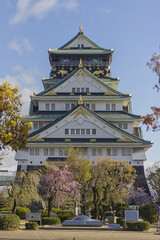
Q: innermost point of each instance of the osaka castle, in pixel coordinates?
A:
(80, 106)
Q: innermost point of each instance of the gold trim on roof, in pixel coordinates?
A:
(80, 101)
(80, 28)
(124, 139)
(52, 92)
(80, 63)
(80, 73)
(36, 139)
(80, 111)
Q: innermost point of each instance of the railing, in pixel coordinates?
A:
(89, 64)
(6, 177)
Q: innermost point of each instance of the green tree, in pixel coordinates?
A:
(13, 129)
(82, 172)
(22, 191)
(108, 183)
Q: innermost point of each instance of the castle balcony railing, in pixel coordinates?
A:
(88, 64)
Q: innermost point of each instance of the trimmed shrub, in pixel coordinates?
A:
(64, 214)
(31, 225)
(9, 222)
(137, 226)
(21, 212)
(150, 213)
(51, 221)
(121, 221)
(143, 225)
(120, 208)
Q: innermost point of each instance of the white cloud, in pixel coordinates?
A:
(25, 79)
(20, 44)
(39, 8)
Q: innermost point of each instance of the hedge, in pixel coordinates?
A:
(9, 222)
(121, 221)
(137, 226)
(21, 212)
(150, 213)
(31, 225)
(51, 221)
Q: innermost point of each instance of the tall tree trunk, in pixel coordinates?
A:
(95, 201)
(14, 206)
(49, 206)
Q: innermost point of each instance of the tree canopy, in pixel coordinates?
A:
(152, 120)
(13, 128)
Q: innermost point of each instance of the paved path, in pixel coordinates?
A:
(79, 235)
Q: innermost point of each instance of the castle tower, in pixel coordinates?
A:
(80, 106)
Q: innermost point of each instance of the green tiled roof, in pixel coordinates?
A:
(94, 114)
(71, 74)
(84, 36)
(80, 51)
(116, 144)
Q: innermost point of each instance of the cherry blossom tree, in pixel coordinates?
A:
(152, 120)
(137, 196)
(56, 185)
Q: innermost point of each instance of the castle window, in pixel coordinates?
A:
(93, 131)
(107, 107)
(67, 106)
(30, 162)
(77, 131)
(82, 131)
(73, 90)
(45, 151)
(36, 151)
(51, 151)
(126, 152)
(93, 152)
(40, 125)
(52, 107)
(78, 90)
(82, 90)
(87, 90)
(47, 106)
(35, 125)
(72, 131)
(40, 162)
(61, 152)
(114, 152)
(88, 131)
(108, 151)
(120, 125)
(93, 107)
(31, 151)
(113, 107)
(66, 131)
(99, 152)
(125, 126)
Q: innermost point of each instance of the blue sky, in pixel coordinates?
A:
(29, 27)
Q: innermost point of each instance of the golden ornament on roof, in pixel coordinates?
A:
(80, 63)
(80, 101)
(80, 29)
